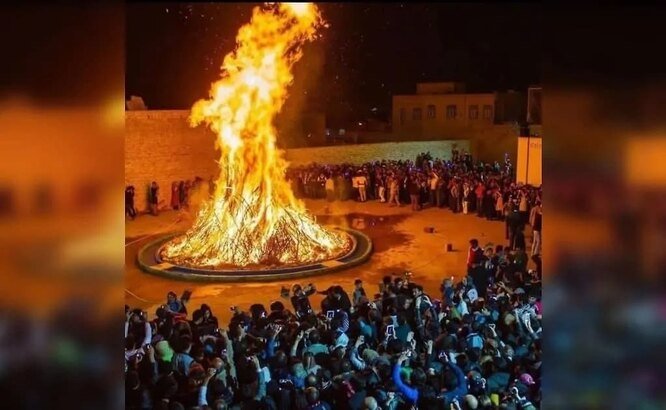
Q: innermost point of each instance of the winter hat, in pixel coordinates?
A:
(471, 402)
(369, 355)
(164, 351)
(527, 379)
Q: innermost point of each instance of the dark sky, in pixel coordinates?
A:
(369, 53)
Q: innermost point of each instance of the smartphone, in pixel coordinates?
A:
(390, 330)
(330, 314)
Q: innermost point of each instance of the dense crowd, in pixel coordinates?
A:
(180, 197)
(459, 184)
(477, 345)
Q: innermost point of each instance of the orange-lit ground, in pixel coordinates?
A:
(397, 233)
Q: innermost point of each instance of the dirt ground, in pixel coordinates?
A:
(400, 244)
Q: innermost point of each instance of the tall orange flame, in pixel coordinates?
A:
(253, 217)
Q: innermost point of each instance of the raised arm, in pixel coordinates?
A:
(294, 346)
(357, 362)
(410, 393)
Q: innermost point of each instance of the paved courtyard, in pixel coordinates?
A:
(399, 240)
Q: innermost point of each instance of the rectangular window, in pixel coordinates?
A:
(487, 112)
(432, 112)
(451, 112)
(403, 116)
(416, 114)
(473, 112)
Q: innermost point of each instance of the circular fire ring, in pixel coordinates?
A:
(149, 261)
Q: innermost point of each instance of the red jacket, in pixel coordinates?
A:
(474, 256)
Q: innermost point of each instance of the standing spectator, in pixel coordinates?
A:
(536, 232)
(474, 256)
(362, 183)
(499, 206)
(522, 207)
(300, 300)
(355, 187)
(359, 292)
(466, 201)
(175, 195)
(394, 191)
(454, 197)
(129, 202)
(413, 189)
(441, 192)
(182, 194)
(330, 188)
(479, 191)
(433, 183)
(339, 186)
(153, 197)
(514, 222)
(381, 188)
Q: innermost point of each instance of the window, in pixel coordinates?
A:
(432, 112)
(473, 112)
(487, 112)
(451, 111)
(416, 114)
(403, 116)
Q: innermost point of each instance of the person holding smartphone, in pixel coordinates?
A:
(300, 300)
(418, 392)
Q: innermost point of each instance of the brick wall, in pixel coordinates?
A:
(160, 146)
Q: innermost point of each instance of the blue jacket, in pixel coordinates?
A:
(461, 388)
(409, 392)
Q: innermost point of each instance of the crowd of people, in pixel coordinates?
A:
(180, 196)
(459, 184)
(476, 345)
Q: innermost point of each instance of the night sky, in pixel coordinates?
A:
(369, 53)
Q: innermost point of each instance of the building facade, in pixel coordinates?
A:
(441, 111)
(447, 111)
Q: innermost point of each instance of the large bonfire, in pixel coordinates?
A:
(253, 217)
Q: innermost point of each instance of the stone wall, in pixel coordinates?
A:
(161, 146)
(361, 153)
